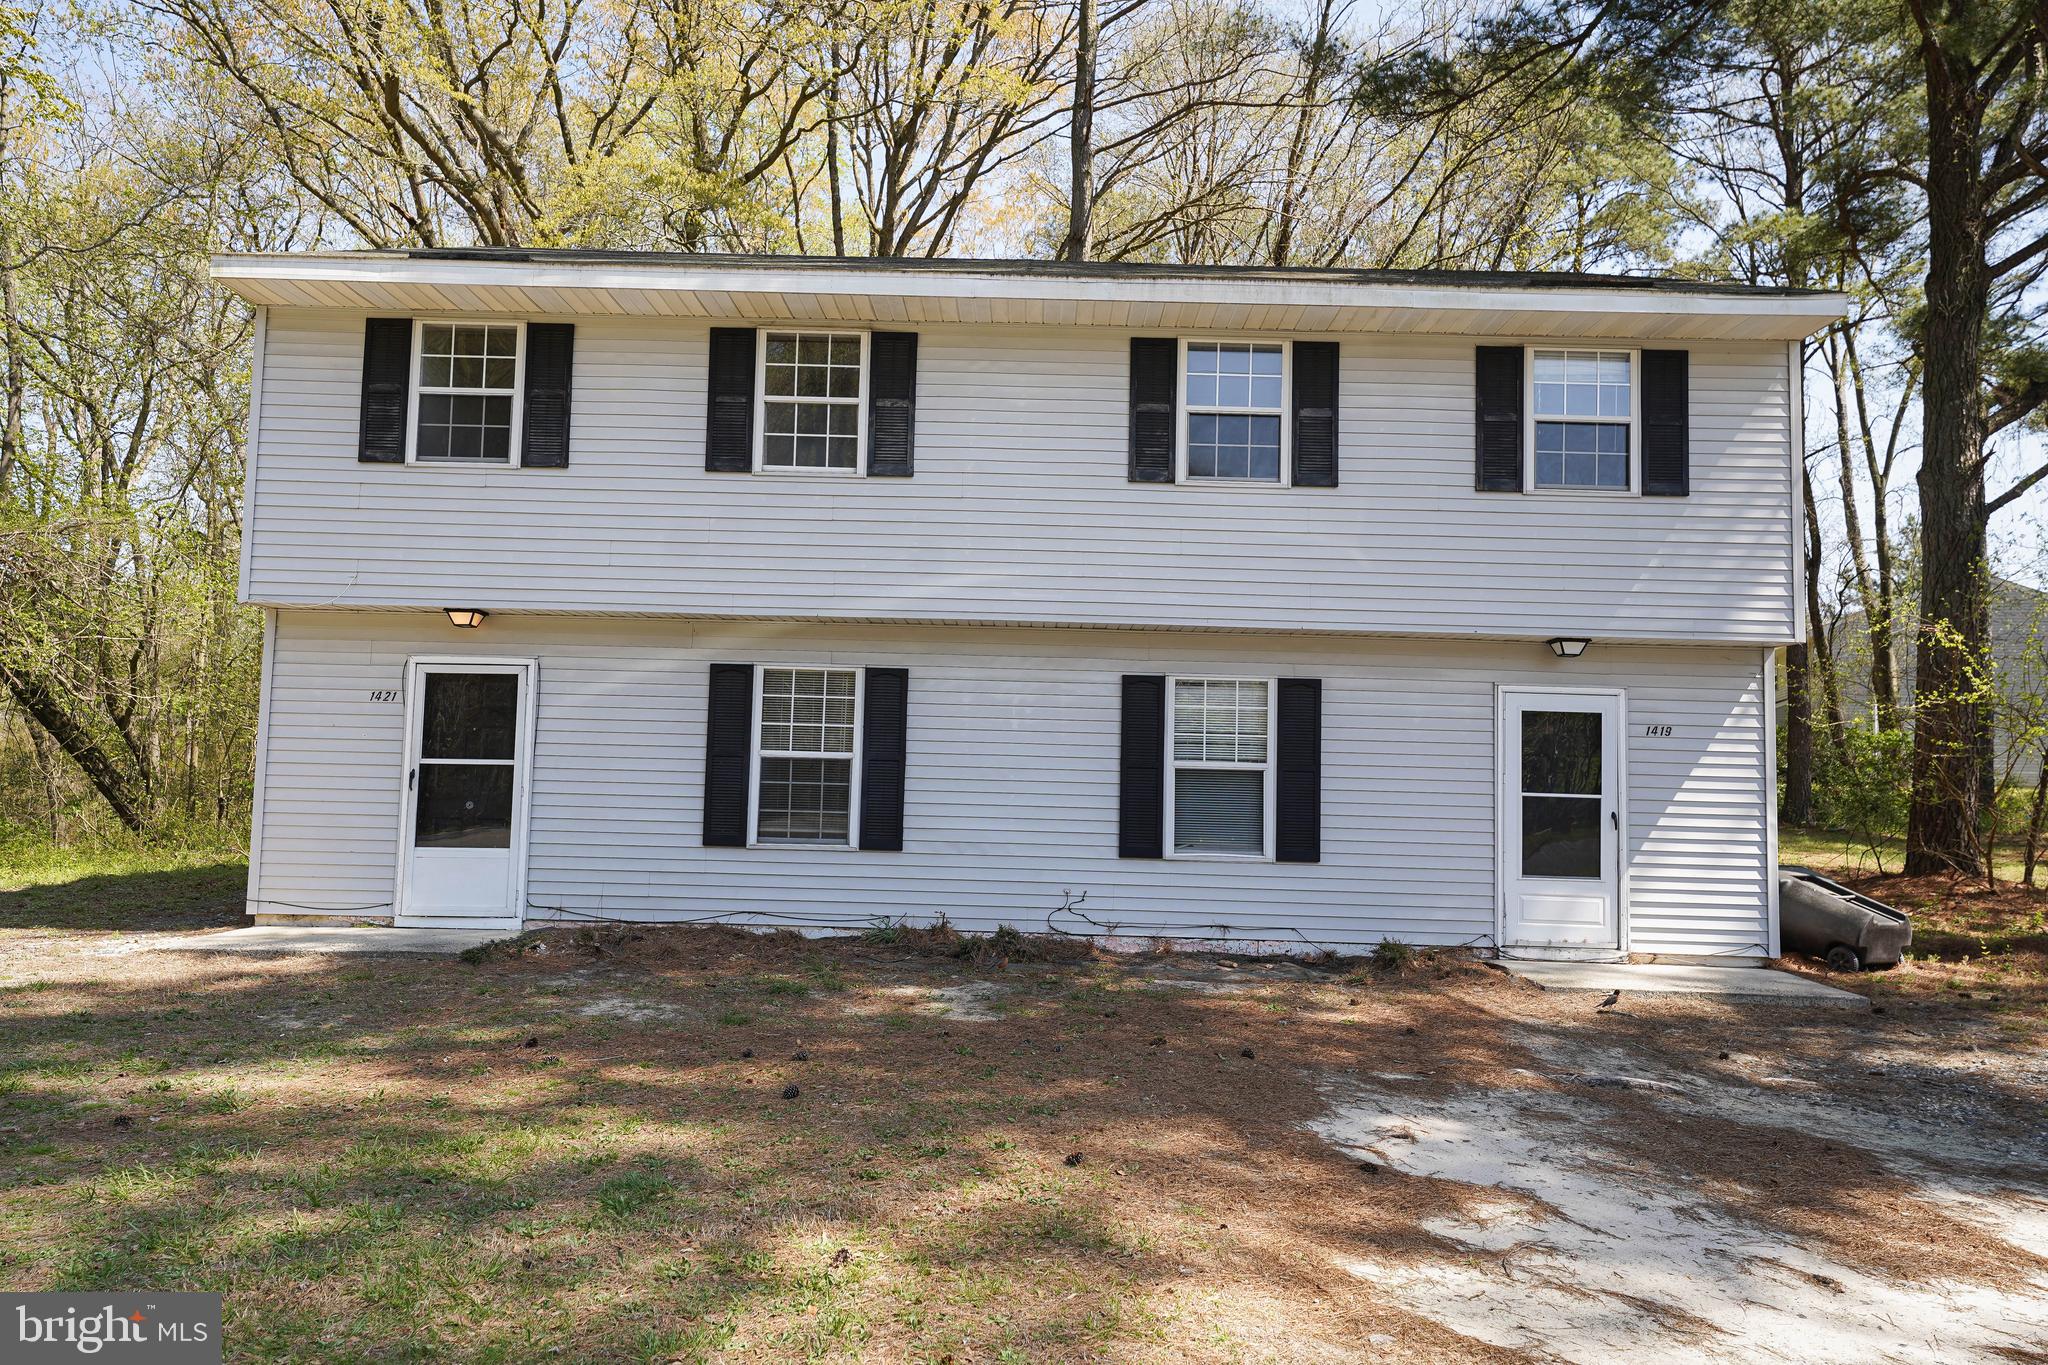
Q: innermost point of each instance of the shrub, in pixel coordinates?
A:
(1863, 784)
(1391, 955)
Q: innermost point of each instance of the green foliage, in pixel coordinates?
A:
(1862, 784)
(1391, 955)
(129, 666)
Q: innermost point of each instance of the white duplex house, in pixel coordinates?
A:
(1307, 607)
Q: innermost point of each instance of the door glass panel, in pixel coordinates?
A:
(469, 715)
(1561, 836)
(464, 805)
(1561, 752)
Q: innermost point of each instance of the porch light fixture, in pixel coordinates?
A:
(1562, 647)
(469, 618)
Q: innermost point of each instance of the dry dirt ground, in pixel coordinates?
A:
(691, 1143)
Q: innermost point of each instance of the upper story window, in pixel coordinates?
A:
(1583, 414)
(1234, 406)
(466, 392)
(1221, 768)
(804, 756)
(813, 401)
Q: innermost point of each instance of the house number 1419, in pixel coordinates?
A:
(1656, 732)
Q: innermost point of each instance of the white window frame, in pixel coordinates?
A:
(516, 450)
(755, 754)
(1634, 421)
(1180, 403)
(1269, 768)
(860, 403)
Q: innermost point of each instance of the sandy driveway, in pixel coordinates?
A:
(1576, 1247)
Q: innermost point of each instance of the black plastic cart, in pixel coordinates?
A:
(1846, 929)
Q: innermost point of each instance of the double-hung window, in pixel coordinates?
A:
(813, 389)
(466, 392)
(1221, 767)
(804, 755)
(1233, 413)
(1583, 417)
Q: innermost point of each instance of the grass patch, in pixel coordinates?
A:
(631, 1191)
(117, 886)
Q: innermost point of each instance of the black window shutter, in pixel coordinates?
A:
(1667, 421)
(1141, 818)
(387, 381)
(728, 754)
(892, 405)
(1499, 391)
(1298, 754)
(1315, 414)
(1155, 364)
(884, 730)
(729, 424)
(550, 372)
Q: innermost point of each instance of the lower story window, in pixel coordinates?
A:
(804, 755)
(1221, 767)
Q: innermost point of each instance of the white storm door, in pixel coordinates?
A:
(1561, 819)
(463, 834)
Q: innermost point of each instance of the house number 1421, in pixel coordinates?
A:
(1656, 732)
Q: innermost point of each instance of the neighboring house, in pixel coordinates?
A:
(2019, 627)
(1302, 606)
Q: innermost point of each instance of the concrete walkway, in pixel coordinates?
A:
(285, 938)
(1759, 984)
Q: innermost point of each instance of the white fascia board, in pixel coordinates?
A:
(1789, 315)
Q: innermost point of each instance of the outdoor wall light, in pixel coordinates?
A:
(469, 618)
(1561, 647)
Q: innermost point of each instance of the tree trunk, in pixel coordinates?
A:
(1820, 659)
(1884, 649)
(1953, 610)
(2036, 812)
(832, 159)
(123, 793)
(1797, 808)
(1081, 138)
(46, 769)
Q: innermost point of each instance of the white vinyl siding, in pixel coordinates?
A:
(1022, 510)
(1011, 796)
